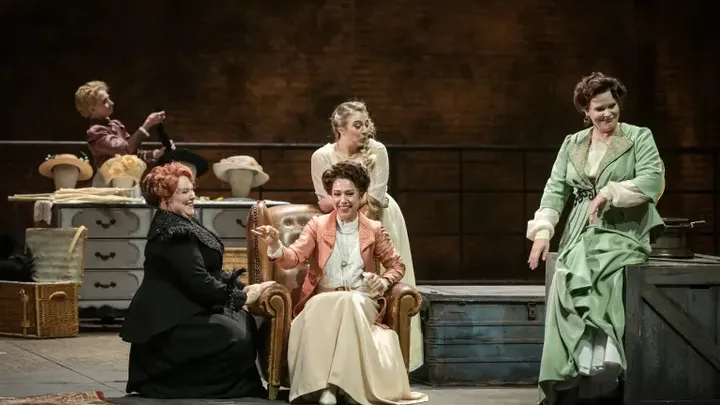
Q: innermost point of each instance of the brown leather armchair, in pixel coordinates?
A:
(278, 301)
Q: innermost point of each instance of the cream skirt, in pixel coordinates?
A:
(334, 342)
(394, 223)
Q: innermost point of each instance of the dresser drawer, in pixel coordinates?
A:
(115, 254)
(226, 222)
(110, 284)
(108, 222)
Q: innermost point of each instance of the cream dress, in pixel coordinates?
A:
(599, 361)
(392, 219)
(334, 339)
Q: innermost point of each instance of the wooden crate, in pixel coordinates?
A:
(39, 310)
(482, 335)
(672, 331)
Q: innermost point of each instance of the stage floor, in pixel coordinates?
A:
(97, 361)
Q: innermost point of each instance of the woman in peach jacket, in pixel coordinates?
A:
(338, 345)
(354, 141)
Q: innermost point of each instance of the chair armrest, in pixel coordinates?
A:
(402, 301)
(274, 301)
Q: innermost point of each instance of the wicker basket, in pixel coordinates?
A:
(236, 258)
(39, 310)
(59, 253)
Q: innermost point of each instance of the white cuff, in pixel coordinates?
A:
(275, 254)
(385, 282)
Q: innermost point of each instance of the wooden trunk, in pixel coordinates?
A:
(481, 335)
(672, 311)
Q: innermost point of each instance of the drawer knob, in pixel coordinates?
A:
(241, 223)
(531, 311)
(106, 257)
(101, 285)
(104, 225)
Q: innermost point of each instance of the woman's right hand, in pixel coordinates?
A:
(269, 234)
(253, 291)
(154, 119)
(540, 249)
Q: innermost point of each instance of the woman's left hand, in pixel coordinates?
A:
(596, 206)
(157, 153)
(376, 285)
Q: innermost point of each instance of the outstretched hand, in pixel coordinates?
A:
(540, 249)
(269, 235)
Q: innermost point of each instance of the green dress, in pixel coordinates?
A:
(586, 296)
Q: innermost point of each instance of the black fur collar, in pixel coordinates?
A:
(166, 225)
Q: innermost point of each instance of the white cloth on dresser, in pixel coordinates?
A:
(392, 219)
(42, 211)
(599, 358)
(334, 339)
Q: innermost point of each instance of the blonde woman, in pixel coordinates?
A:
(107, 137)
(354, 135)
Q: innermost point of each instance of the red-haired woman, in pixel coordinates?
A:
(189, 333)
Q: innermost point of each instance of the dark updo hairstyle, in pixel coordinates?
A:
(161, 183)
(355, 172)
(594, 84)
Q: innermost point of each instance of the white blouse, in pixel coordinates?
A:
(346, 251)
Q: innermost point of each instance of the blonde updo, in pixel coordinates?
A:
(86, 96)
(338, 120)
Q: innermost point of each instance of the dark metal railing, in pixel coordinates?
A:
(395, 188)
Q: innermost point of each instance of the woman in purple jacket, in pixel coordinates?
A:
(108, 137)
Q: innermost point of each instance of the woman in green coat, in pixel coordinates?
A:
(615, 174)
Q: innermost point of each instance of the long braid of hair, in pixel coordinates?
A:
(339, 118)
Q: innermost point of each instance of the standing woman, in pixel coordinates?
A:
(355, 141)
(615, 174)
(107, 137)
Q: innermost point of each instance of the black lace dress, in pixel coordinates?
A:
(189, 336)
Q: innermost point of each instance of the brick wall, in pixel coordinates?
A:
(451, 73)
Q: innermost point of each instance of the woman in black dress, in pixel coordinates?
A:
(190, 333)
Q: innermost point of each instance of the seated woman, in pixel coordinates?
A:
(337, 343)
(107, 137)
(614, 172)
(189, 332)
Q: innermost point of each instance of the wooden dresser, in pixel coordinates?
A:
(116, 245)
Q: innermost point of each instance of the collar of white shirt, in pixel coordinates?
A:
(347, 227)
